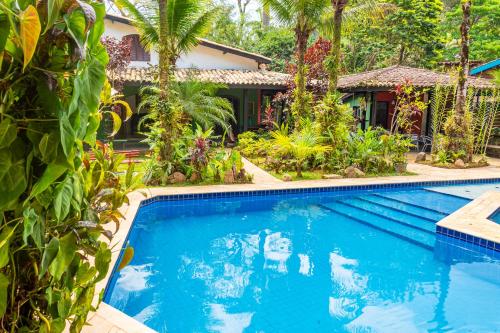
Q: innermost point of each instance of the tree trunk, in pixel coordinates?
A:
(164, 83)
(401, 55)
(463, 69)
(164, 58)
(266, 17)
(302, 37)
(338, 7)
(298, 169)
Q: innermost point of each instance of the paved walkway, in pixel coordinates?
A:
(259, 175)
(110, 320)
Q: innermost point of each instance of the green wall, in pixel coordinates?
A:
(355, 100)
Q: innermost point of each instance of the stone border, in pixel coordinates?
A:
(471, 223)
(115, 321)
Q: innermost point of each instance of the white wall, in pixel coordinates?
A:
(200, 57)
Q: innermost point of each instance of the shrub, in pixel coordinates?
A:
(59, 203)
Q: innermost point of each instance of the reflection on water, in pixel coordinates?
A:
(297, 268)
(277, 250)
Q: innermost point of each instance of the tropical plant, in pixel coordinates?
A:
(300, 144)
(200, 149)
(119, 59)
(304, 17)
(57, 203)
(409, 104)
(196, 100)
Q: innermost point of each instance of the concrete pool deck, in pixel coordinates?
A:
(109, 320)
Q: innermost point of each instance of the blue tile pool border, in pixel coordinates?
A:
(481, 242)
(327, 189)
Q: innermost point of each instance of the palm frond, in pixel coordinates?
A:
(144, 23)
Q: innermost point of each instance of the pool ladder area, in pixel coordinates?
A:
(395, 216)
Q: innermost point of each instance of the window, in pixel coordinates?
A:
(137, 52)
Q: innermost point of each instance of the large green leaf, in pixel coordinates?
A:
(29, 32)
(98, 28)
(62, 200)
(53, 12)
(8, 133)
(48, 146)
(65, 254)
(12, 177)
(50, 174)
(4, 284)
(4, 31)
(75, 21)
(67, 134)
(102, 260)
(48, 255)
(5, 236)
(32, 227)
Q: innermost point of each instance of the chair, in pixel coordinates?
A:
(426, 142)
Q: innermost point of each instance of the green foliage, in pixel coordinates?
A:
(372, 151)
(277, 44)
(484, 42)
(58, 204)
(413, 26)
(335, 119)
(301, 144)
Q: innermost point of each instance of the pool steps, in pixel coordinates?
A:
(405, 232)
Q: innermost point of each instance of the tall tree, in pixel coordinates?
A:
(484, 31)
(463, 69)
(342, 10)
(414, 28)
(304, 16)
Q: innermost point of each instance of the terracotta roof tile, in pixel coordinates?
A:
(230, 77)
(390, 77)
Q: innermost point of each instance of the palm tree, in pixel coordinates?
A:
(197, 101)
(172, 27)
(343, 11)
(304, 16)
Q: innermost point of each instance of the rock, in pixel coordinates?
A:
(177, 177)
(459, 163)
(195, 176)
(331, 176)
(421, 157)
(287, 178)
(353, 172)
(229, 177)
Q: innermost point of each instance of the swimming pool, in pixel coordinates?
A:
(355, 261)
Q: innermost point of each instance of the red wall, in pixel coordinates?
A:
(388, 96)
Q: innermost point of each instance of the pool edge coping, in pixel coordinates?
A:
(140, 198)
(471, 223)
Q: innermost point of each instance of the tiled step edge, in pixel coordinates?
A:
(471, 224)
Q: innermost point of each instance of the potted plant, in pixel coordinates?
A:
(400, 147)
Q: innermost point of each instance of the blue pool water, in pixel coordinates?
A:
(324, 262)
(496, 216)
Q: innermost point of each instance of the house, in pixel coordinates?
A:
(486, 70)
(250, 86)
(371, 94)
